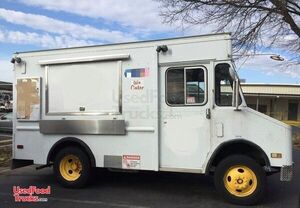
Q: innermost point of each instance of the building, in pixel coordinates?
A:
(281, 101)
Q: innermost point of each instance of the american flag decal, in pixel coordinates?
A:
(141, 72)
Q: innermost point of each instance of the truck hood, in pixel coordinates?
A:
(272, 135)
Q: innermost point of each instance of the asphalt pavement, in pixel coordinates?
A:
(140, 190)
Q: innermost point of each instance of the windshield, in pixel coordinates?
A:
(224, 78)
(223, 85)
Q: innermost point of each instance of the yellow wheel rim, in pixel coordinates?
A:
(70, 167)
(240, 181)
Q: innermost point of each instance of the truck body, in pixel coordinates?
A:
(164, 105)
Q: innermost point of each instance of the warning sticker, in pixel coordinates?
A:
(131, 161)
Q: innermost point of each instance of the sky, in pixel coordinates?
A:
(39, 24)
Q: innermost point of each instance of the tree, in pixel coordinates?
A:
(253, 23)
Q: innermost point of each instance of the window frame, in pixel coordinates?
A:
(185, 88)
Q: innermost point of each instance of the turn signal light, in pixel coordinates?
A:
(276, 155)
(19, 146)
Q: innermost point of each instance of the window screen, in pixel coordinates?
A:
(175, 86)
(185, 86)
(195, 86)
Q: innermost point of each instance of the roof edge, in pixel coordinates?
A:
(123, 43)
(271, 84)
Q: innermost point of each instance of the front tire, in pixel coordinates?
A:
(72, 167)
(240, 180)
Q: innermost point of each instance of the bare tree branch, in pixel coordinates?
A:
(253, 23)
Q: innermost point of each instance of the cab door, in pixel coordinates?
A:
(185, 124)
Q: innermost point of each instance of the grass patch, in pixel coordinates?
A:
(5, 156)
(296, 140)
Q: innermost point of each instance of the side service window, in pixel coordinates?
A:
(185, 86)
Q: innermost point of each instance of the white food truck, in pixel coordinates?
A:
(165, 105)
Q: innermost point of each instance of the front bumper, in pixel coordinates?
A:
(286, 173)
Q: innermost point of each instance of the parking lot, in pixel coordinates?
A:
(139, 190)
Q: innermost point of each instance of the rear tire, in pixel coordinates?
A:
(72, 167)
(240, 180)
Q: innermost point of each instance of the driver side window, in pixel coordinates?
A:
(186, 86)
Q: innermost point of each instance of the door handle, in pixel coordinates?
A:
(208, 115)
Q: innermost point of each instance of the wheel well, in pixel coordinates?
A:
(70, 141)
(237, 147)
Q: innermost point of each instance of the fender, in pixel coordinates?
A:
(71, 140)
(235, 142)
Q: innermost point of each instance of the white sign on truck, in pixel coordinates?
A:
(164, 105)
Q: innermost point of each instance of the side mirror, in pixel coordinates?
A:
(236, 94)
(232, 73)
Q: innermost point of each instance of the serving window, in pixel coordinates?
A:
(83, 88)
